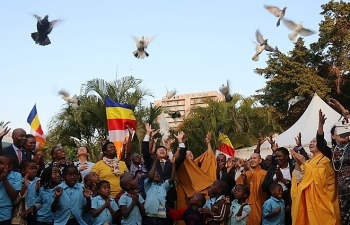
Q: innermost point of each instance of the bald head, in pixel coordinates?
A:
(19, 137)
(255, 160)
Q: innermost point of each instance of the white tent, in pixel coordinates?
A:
(307, 125)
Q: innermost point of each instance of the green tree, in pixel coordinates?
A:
(332, 58)
(288, 76)
(88, 123)
(241, 120)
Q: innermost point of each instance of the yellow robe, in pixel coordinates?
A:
(257, 195)
(192, 178)
(315, 199)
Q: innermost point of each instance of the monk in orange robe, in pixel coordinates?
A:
(314, 190)
(253, 177)
(195, 175)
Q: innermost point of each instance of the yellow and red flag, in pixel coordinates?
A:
(225, 146)
(118, 116)
(36, 130)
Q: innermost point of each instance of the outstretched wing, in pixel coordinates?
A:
(273, 9)
(300, 98)
(64, 93)
(290, 24)
(137, 40)
(306, 32)
(148, 40)
(259, 37)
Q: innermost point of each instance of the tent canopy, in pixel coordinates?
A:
(307, 125)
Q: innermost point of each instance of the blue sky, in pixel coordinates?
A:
(198, 45)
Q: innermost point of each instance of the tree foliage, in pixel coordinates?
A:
(322, 68)
(88, 123)
(242, 120)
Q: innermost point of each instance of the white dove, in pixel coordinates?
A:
(164, 127)
(225, 90)
(297, 29)
(170, 94)
(276, 12)
(142, 44)
(294, 101)
(261, 46)
(74, 100)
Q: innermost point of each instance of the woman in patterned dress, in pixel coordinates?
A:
(339, 154)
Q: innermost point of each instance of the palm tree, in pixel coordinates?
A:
(88, 123)
(241, 120)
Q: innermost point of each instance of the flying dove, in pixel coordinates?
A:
(142, 44)
(163, 127)
(276, 12)
(74, 101)
(225, 90)
(170, 94)
(297, 29)
(294, 101)
(44, 28)
(261, 46)
(175, 114)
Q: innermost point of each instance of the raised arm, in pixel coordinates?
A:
(173, 170)
(300, 147)
(182, 154)
(260, 142)
(145, 145)
(127, 147)
(2, 134)
(320, 144)
(152, 171)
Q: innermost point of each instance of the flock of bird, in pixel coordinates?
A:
(262, 45)
(297, 29)
(44, 28)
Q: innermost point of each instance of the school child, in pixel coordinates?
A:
(71, 199)
(103, 207)
(119, 195)
(274, 208)
(28, 194)
(217, 207)
(155, 205)
(49, 179)
(190, 214)
(91, 180)
(240, 208)
(131, 203)
(10, 185)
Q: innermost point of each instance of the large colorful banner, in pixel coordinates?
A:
(36, 130)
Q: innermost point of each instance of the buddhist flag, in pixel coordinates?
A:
(118, 116)
(36, 130)
(225, 146)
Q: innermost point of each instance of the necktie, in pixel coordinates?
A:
(19, 155)
(162, 164)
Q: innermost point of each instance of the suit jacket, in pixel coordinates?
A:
(166, 174)
(229, 178)
(26, 155)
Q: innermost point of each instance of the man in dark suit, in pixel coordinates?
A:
(224, 174)
(16, 149)
(164, 166)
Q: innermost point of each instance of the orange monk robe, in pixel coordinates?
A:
(315, 199)
(192, 178)
(257, 195)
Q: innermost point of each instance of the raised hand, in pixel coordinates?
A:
(180, 135)
(58, 191)
(131, 131)
(86, 192)
(173, 159)
(298, 139)
(208, 138)
(26, 181)
(261, 139)
(321, 118)
(4, 132)
(277, 211)
(108, 202)
(5, 172)
(335, 104)
(279, 174)
(37, 185)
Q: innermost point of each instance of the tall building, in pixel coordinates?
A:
(182, 103)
